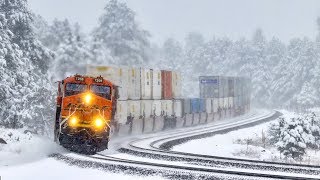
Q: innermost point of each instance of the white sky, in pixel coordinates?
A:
(284, 19)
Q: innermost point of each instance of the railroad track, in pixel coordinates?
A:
(157, 159)
(157, 150)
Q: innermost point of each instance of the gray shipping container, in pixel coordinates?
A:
(186, 106)
(209, 86)
(230, 86)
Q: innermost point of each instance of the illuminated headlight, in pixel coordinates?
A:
(73, 121)
(87, 98)
(98, 123)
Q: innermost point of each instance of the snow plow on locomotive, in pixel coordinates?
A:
(84, 109)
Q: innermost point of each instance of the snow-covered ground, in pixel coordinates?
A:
(24, 147)
(25, 156)
(226, 144)
(243, 143)
(52, 169)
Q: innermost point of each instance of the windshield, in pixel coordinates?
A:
(103, 91)
(73, 89)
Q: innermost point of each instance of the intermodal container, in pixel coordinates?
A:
(195, 105)
(177, 108)
(209, 86)
(146, 108)
(221, 103)
(176, 85)
(134, 108)
(121, 112)
(146, 85)
(167, 107)
(230, 86)
(156, 107)
(134, 84)
(156, 84)
(117, 75)
(231, 102)
(186, 106)
(209, 107)
(166, 81)
(215, 104)
(202, 105)
(226, 102)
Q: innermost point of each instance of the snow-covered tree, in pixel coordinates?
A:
(314, 126)
(172, 54)
(26, 64)
(121, 34)
(291, 136)
(72, 53)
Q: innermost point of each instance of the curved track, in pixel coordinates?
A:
(154, 153)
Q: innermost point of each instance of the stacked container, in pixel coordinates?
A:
(117, 75)
(134, 84)
(167, 107)
(176, 85)
(166, 81)
(227, 92)
(146, 83)
(156, 84)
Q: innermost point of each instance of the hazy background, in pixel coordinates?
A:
(175, 18)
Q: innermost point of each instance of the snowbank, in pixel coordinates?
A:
(24, 147)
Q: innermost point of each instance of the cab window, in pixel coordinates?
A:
(73, 89)
(102, 91)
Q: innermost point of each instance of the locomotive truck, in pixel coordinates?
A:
(84, 109)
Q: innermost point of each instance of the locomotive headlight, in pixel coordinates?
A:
(87, 98)
(73, 121)
(98, 123)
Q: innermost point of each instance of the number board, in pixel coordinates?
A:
(78, 78)
(98, 80)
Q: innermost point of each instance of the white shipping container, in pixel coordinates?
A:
(118, 76)
(145, 83)
(226, 102)
(122, 83)
(177, 108)
(176, 85)
(167, 107)
(134, 108)
(221, 102)
(231, 99)
(121, 112)
(209, 105)
(134, 83)
(156, 107)
(146, 108)
(156, 84)
(215, 104)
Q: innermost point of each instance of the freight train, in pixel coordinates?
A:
(140, 101)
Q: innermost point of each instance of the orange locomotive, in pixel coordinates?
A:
(85, 108)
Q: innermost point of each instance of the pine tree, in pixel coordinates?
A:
(293, 138)
(172, 54)
(72, 55)
(27, 66)
(120, 33)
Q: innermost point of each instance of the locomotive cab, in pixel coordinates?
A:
(85, 107)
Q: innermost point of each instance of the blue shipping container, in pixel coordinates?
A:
(202, 105)
(195, 105)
